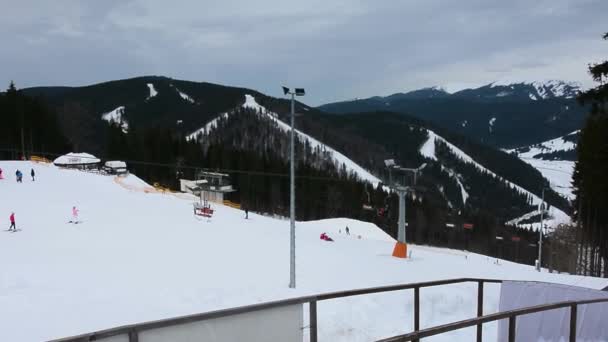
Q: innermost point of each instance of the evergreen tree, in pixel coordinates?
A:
(591, 178)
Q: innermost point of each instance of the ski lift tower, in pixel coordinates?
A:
(401, 188)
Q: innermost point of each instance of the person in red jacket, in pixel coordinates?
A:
(13, 227)
(325, 237)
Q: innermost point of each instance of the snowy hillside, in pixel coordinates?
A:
(338, 157)
(116, 116)
(427, 150)
(538, 90)
(558, 172)
(140, 255)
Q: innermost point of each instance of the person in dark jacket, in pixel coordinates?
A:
(33, 175)
(19, 176)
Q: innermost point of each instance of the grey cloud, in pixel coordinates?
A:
(337, 49)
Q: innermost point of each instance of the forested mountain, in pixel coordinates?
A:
(167, 129)
(28, 124)
(498, 114)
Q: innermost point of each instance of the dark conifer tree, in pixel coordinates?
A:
(590, 178)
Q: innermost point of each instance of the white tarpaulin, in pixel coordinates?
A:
(552, 325)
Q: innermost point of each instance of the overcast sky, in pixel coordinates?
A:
(336, 49)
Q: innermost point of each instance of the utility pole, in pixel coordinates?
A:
(540, 231)
(292, 191)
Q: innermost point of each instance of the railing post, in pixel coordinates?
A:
(479, 309)
(133, 336)
(573, 323)
(312, 306)
(512, 328)
(416, 308)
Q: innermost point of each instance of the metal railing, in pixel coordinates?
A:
(133, 330)
(511, 315)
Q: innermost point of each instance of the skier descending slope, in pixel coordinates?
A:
(74, 216)
(1, 177)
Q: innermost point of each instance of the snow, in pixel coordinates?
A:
(153, 91)
(338, 157)
(76, 159)
(184, 96)
(116, 164)
(558, 172)
(140, 255)
(557, 216)
(458, 179)
(116, 116)
(544, 89)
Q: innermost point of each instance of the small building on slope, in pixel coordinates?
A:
(80, 161)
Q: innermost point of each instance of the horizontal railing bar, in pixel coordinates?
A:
(262, 306)
(487, 318)
(340, 294)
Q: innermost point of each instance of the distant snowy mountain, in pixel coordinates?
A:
(523, 91)
(523, 113)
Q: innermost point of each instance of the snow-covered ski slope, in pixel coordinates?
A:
(427, 150)
(141, 255)
(338, 157)
(558, 172)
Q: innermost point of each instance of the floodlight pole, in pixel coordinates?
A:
(292, 203)
(292, 189)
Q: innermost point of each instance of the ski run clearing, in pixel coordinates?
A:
(339, 158)
(153, 91)
(141, 255)
(116, 116)
(556, 216)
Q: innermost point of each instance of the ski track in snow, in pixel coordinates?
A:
(338, 157)
(67, 279)
(558, 216)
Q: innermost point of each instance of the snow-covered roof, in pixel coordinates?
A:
(116, 164)
(76, 159)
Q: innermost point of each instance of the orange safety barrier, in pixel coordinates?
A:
(39, 159)
(232, 204)
(400, 250)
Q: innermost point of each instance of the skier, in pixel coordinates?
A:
(19, 176)
(347, 231)
(74, 215)
(33, 175)
(325, 237)
(1, 177)
(13, 227)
